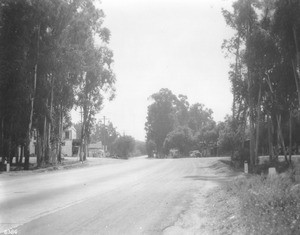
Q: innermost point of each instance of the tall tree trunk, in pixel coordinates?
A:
(38, 149)
(83, 132)
(271, 150)
(290, 137)
(237, 54)
(60, 132)
(297, 77)
(28, 139)
(80, 146)
(17, 153)
(296, 63)
(257, 126)
(84, 150)
(251, 122)
(49, 149)
(21, 155)
(280, 137)
(82, 142)
(9, 155)
(45, 142)
(2, 141)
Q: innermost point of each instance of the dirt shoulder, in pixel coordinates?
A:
(245, 204)
(211, 211)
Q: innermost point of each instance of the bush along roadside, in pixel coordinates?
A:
(262, 205)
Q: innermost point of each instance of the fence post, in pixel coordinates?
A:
(246, 167)
(297, 172)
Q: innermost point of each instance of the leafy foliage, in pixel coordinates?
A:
(173, 123)
(181, 138)
(107, 134)
(123, 146)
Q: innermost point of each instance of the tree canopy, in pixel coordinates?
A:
(264, 72)
(172, 123)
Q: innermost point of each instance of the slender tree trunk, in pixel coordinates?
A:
(27, 145)
(280, 137)
(21, 155)
(82, 141)
(290, 137)
(60, 133)
(237, 54)
(49, 149)
(38, 149)
(83, 132)
(45, 142)
(9, 153)
(17, 153)
(271, 151)
(297, 76)
(2, 141)
(251, 121)
(84, 150)
(257, 126)
(296, 64)
(244, 123)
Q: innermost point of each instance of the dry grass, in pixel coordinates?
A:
(256, 205)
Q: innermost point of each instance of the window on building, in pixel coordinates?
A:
(67, 135)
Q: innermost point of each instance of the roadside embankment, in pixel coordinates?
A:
(256, 205)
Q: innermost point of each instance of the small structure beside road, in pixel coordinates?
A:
(96, 150)
(69, 135)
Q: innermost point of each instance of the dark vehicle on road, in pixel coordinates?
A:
(195, 153)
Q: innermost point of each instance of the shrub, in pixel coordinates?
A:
(240, 156)
(123, 146)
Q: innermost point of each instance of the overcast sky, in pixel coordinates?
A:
(166, 44)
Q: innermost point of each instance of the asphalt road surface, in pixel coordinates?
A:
(136, 196)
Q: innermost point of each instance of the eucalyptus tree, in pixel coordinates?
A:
(182, 111)
(171, 120)
(286, 29)
(49, 58)
(124, 146)
(180, 138)
(94, 72)
(160, 118)
(18, 34)
(266, 43)
(243, 20)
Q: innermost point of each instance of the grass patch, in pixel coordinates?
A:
(258, 205)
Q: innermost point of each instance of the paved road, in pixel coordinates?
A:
(137, 196)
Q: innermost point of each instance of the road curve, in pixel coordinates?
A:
(137, 196)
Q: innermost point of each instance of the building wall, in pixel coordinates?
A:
(70, 133)
(32, 146)
(68, 136)
(66, 149)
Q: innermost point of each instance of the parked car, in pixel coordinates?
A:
(195, 153)
(174, 153)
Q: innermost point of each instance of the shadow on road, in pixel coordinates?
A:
(211, 178)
